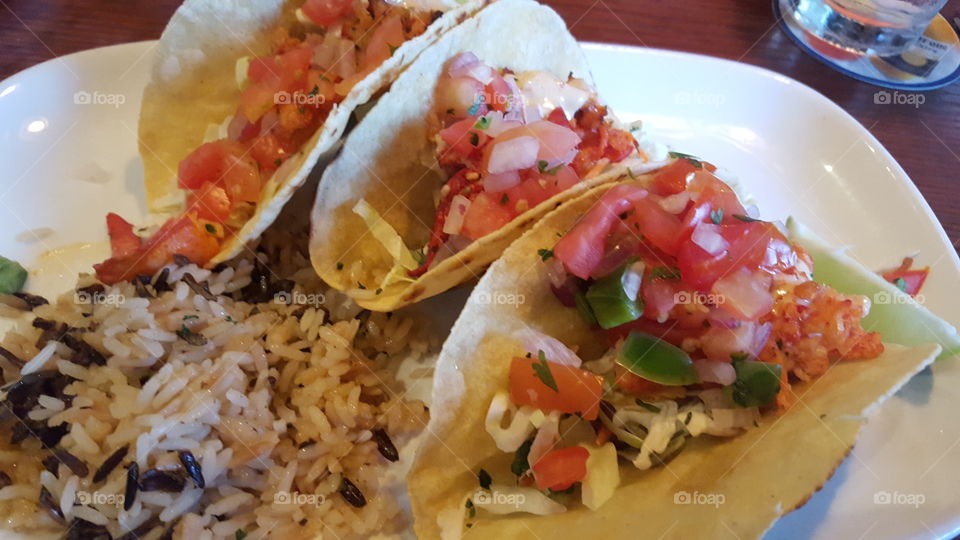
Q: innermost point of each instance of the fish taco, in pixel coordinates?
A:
(664, 345)
(245, 98)
(490, 128)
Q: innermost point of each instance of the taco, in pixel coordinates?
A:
(652, 360)
(490, 128)
(244, 99)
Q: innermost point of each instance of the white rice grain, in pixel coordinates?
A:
(40, 360)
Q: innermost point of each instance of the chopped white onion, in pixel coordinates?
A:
(675, 203)
(458, 209)
(510, 438)
(553, 349)
(513, 154)
(707, 236)
(715, 372)
(495, 183)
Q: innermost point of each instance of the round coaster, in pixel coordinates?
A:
(932, 62)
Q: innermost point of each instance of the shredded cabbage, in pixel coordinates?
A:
(603, 475)
(510, 438)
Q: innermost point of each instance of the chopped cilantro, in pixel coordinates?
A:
(739, 356)
(240, 534)
(229, 319)
(315, 91)
(648, 406)
(716, 216)
(630, 174)
(277, 162)
(554, 493)
(746, 219)
(901, 284)
(541, 370)
(542, 165)
(545, 254)
(474, 139)
(419, 255)
(664, 272)
(504, 199)
(482, 123)
(485, 479)
(361, 286)
(210, 228)
(521, 463)
(692, 160)
(450, 110)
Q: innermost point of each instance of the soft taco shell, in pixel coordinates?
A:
(193, 85)
(387, 160)
(761, 474)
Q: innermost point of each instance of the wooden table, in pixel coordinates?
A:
(925, 140)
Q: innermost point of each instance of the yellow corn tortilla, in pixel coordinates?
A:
(387, 160)
(760, 475)
(193, 86)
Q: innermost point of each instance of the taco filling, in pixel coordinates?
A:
(507, 142)
(709, 315)
(286, 97)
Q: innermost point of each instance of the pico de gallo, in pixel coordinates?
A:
(507, 142)
(710, 315)
(286, 97)
(907, 278)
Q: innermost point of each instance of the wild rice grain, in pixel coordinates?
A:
(130, 492)
(352, 494)
(193, 468)
(385, 445)
(110, 464)
(72, 462)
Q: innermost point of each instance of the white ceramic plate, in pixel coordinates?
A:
(69, 149)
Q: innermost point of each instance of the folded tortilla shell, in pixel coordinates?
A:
(750, 480)
(193, 86)
(387, 160)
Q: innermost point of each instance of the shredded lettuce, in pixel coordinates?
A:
(241, 68)
(603, 475)
(390, 240)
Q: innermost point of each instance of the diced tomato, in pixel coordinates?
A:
(578, 391)
(485, 216)
(620, 145)
(264, 69)
(123, 241)
(223, 163)
(559, 469)
(745, 294)
(178, 236)
(257, 99)
(708, 190)
(582, 248)
(266, 150)
(659, 227)
(912, 279)
(530, 193)
(557, 116)
(498, 95)
(672, 179)
(463, 138)
(388, 35)
(210, 202)
(326, 12)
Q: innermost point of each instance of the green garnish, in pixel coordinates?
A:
(339, 266)
(379, 291)
(277, 162)
(474, 139)
(504, 199)
(392, 49)
(545, 254)
(450, 111)
(521, 463)
(315, 91)
(648, 406)
(757, 384)
(482, 123)
(472, 510)
(615, 298)
(419, 255)
(12, 276)
(240, 534)
(210, 228)
(747, 219)
(656, 360)
(716, 216)
(542, 167)
(584, 309)
(485, 479)
(901, 284)
(665, 272)
(739, 356)
(361, 286)
(541, 371)
(691, 159)
(229, 319)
